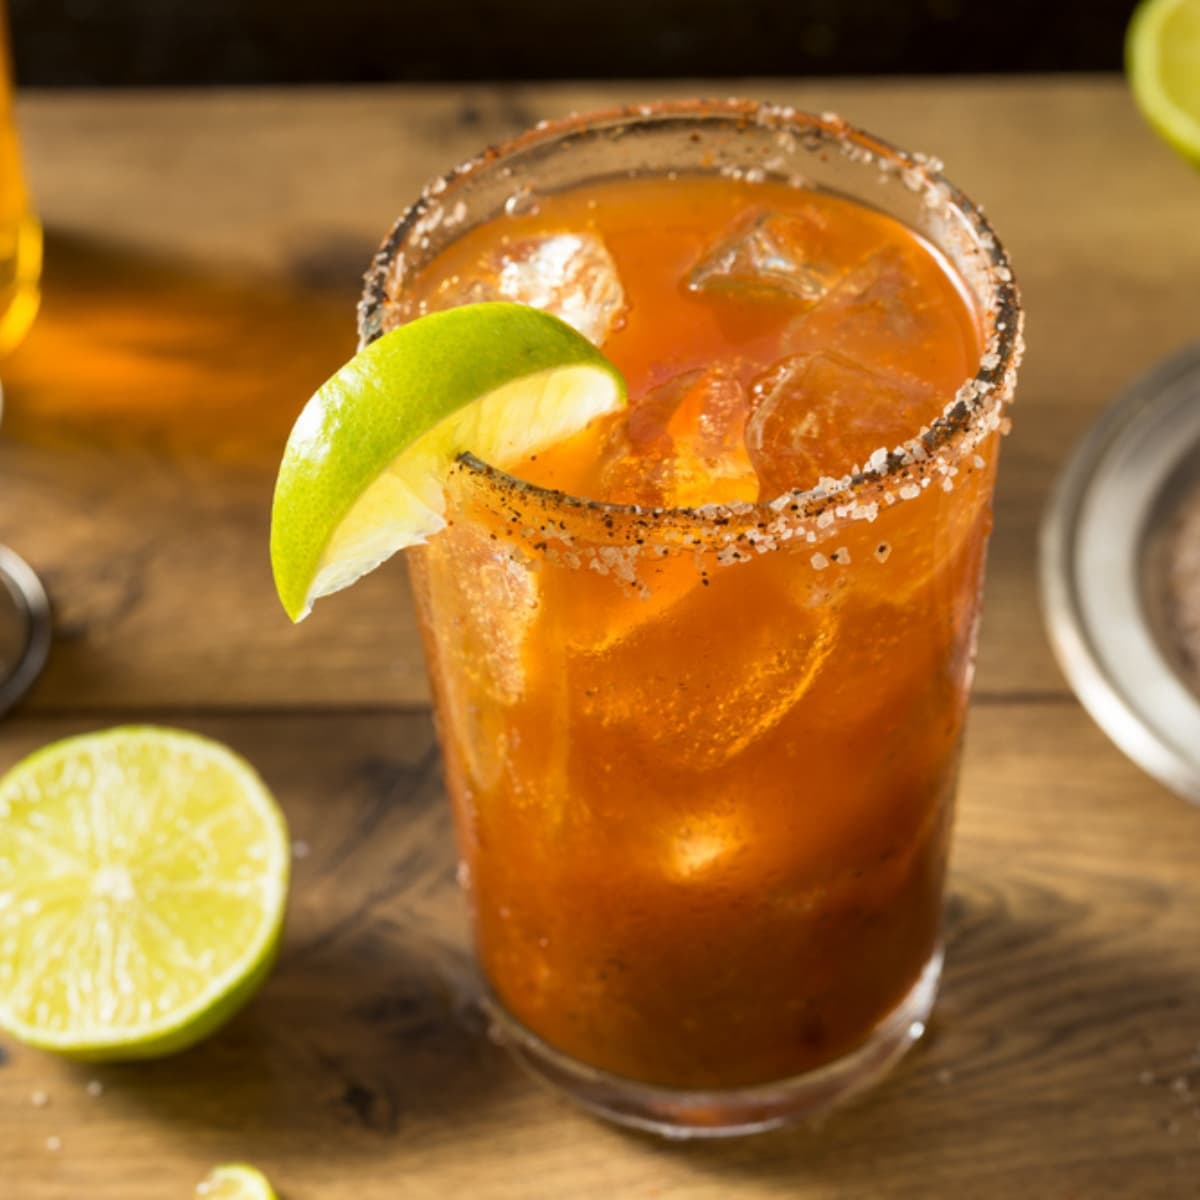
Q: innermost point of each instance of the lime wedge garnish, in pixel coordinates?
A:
(1162, 58)
(143, 879)
(235, 1181)
(366, 463)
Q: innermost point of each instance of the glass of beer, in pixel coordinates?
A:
(701, 670)
(24, 625)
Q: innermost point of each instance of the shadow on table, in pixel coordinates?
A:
(341, 1053)
(1042, 1037)
(175, 358)
(145, 417)
(366, 1032)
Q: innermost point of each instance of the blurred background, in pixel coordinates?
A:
(131, 43)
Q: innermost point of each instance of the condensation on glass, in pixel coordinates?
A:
(703, 761)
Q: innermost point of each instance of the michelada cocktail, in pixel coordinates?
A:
(701, 664)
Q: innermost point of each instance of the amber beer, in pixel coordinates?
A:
(24, 620)
(20, 233)
(701, 671)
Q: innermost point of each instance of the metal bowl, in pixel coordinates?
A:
(24, 628)
(1102, 564)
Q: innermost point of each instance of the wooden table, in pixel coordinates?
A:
(202, 262)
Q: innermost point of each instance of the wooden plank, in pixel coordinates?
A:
(1063, 1060)
(203, 258)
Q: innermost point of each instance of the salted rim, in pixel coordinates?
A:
(889, 475)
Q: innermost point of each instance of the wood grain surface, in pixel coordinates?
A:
(203, 259)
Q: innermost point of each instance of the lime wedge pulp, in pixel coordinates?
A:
(143, 880)
(1162, 57)
(364, 469)
(235, 1181)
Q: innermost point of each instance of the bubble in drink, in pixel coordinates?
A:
(683, 444)
(772, 255)
(571, 275)
(821, 414)
(485, 621)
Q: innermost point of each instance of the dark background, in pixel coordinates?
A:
(144, 42)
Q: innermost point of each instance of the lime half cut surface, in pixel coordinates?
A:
(1162, 55)
(143, 881)
(364, 471)
(235, 1181)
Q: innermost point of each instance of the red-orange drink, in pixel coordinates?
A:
(703, 759)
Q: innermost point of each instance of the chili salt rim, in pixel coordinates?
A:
(935, 453)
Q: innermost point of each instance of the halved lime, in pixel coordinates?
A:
(143, 880)
(235, 1181)
(364, 469)
(1162, 57)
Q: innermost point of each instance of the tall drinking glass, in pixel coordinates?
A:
(702, 760)
(24, 624)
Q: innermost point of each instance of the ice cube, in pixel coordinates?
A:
(823, 414)
(695, 689)
(770, 254)
(682, 444)
(880, 305)
(606, 608)
(571, 275)
(628, 476)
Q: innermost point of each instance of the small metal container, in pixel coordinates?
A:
(1103, 571)
(24, 628)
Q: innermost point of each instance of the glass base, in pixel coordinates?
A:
(679, 1114)
(24, 628)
